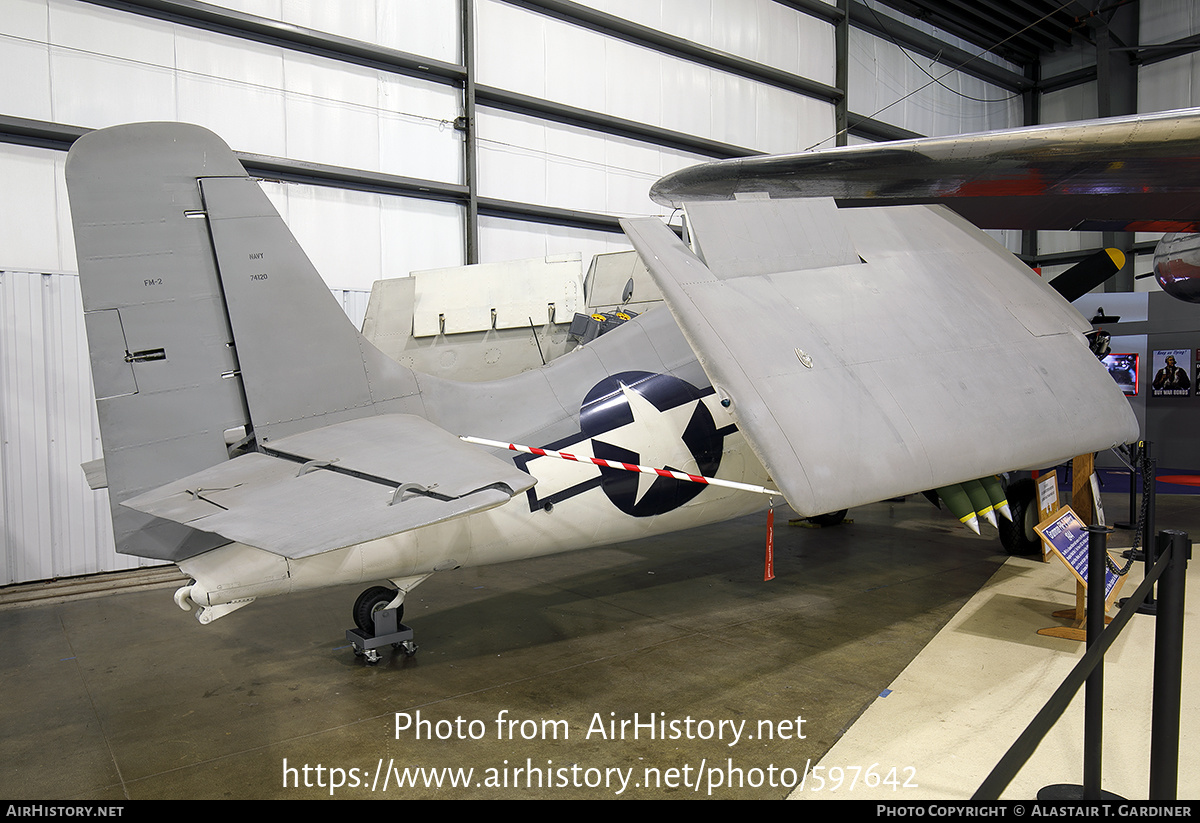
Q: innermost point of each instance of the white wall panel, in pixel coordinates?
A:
(682, 84)
(87, 29)
(575, 61)
(1161, 21)
(419, 235)
(331, 113)
(53, 524)
(513, 240)
(234, 88)
(1009, 238)
(883, 14)
(578, 67)
(1052, 242)
(82, 90)
(764, 31)
(355, 238)
(339, 230)
(35, 221)
(25, 91)
(529, 160)
(428, 27)
(916, 93)
(102, 67)
(1072, 103)
(416, 130)
(25, 19)
(735, 103)
(354, 303)
(1144, 264)
(1171, 84)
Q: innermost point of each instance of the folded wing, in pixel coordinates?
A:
(873, 352)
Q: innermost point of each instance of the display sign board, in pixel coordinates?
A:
(1067, 536)
(1047, 495)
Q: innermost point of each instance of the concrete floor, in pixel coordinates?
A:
(125, 696)
(962, 702)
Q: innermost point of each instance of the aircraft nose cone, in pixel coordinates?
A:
(1177, 266)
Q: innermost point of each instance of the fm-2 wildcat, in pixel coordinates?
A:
(838, 352)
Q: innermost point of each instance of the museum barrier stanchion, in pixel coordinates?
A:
(1168, 677)
(1171, 566)
(1093, 713)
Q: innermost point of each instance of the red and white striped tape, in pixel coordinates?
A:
(629, 467)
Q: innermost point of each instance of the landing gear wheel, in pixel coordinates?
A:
(371, 601)
(830, 519)
(1017, 535)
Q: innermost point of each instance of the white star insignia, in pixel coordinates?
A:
(655, 436)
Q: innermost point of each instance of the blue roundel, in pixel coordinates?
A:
(607, 411)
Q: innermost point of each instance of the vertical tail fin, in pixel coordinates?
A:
(303, 363)
(203, 315)
(161, 347)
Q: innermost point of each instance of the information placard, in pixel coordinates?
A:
(1067, 536)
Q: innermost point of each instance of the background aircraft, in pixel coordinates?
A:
(253, 436)
(1114, 174)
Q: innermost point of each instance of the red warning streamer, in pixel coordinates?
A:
(769, 571)
(629, 467)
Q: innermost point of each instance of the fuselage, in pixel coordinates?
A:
(637, 394)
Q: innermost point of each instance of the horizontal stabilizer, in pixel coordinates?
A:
(339, 485)
(929, 356)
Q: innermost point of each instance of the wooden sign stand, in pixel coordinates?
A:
(1066, 536)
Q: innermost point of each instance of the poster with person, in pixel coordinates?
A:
(1171, 379)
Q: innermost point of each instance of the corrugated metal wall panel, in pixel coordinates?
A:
(53, 524)
(354, 303)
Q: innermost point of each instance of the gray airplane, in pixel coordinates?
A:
(1124, 174)
(253, 436)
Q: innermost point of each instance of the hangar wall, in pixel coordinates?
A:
(1164, 80)
(884, 74)
(575, 118)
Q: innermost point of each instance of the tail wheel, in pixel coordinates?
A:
(1017, 536)
(371, 601)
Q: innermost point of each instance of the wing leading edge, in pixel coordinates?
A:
(1112, 174)
(904, 351)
